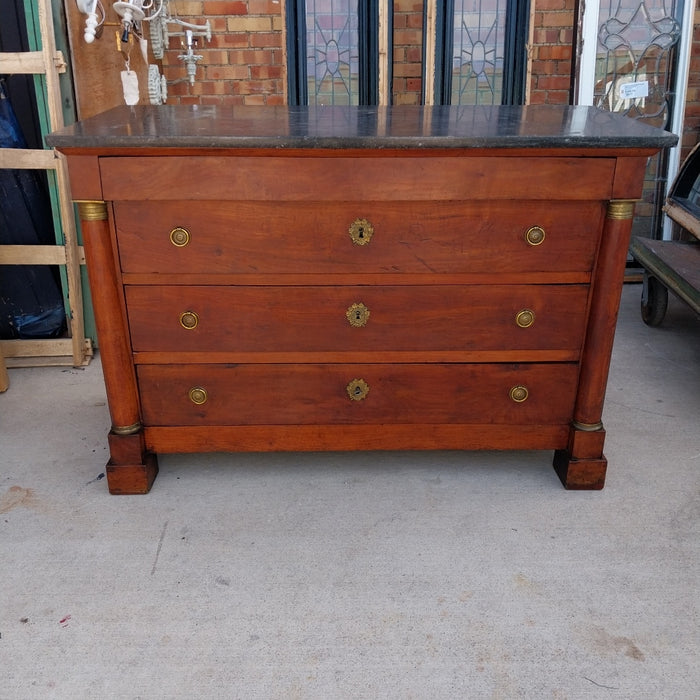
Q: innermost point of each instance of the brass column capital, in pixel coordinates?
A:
(621, 209)
(126, 429)
(92, 210)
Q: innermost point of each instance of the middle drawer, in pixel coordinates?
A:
(356, 318)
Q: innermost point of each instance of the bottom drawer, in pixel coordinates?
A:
(288, 394)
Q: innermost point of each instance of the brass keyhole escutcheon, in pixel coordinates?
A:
(525, 318)
(519, 393)
(198, 395)
(179, 237)
(357, 389)
(535, 235)
(361, 231)
(189, 320)
(357, 315)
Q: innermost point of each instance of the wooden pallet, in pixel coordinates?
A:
(75, 350)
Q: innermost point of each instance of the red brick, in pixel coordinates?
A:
(414, 84)
(408, 37)
(554, 82)
(542, 5)
(227, 72)
(230, 40)
(266, 39)
(554, 52)
(225, 7)
(265, 72)
(414, 54)
(555, 97)
(415, 21)
(264, 7)
(555, 19)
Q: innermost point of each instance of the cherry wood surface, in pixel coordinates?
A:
(323, 437)
(401, 393)
(289, 178)
(314, 319)
(418, 237)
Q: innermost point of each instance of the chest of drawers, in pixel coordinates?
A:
(356, 278)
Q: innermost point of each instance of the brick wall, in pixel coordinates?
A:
(244, 61)
(408, 51)
(551, 51)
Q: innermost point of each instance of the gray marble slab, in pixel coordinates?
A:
(399, 127)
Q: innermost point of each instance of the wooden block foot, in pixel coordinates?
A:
(131, 470)
(132, 479)
(581, 474)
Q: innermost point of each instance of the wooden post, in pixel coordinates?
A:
(4, 378)
(130, 469)
(582, 465)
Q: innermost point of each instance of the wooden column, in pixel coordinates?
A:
(582, 465)
(130, 468)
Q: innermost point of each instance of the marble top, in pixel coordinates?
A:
(398, 127)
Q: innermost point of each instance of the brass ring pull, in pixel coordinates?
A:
(357, 315)
(519, 393)
(179, 237)
(198, 395)
(189, 320)
(357, 389)
(525, 318)
(535, 235)
(361, 231)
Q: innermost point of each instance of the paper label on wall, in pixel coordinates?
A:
(130, 85)
(631, 91)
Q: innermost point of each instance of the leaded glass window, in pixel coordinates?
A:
(333, 52)
(480, 51)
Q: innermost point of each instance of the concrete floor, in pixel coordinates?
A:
(387, 575)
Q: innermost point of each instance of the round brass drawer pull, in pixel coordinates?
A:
(525, 318)
(198, 395)
(358, 389)
(189, 320)
(357, 315)
(361, 231)
(519, 393)
(179, 237)
(535, 235)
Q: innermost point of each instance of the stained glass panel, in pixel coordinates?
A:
(478, 51)
(332, 56)
(634, 73)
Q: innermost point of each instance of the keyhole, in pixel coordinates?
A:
(358, 315)
(360, 232)
(358, 391)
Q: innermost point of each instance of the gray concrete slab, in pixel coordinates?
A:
(367, 575)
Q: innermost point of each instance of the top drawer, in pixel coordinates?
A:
(418, 237)
(364, 177)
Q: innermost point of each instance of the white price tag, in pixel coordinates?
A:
(130, 85)
(631, 91)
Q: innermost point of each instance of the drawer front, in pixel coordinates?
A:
(371, 237)
(362, 318)
(368, 177)
(288, 394)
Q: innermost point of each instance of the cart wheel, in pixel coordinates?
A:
(654, 301)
